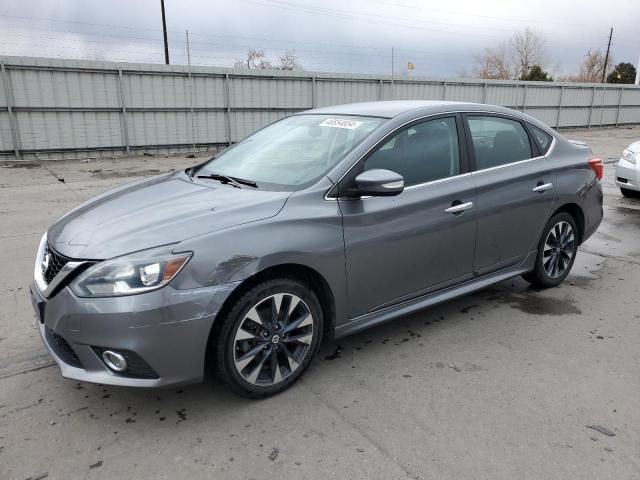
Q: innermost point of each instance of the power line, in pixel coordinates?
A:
(346, 15)
(473, 15)
(261, 39)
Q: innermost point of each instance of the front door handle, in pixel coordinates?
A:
(542, 187)
(459, 207)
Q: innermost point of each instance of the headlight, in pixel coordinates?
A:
(135, 273)
(629, 156)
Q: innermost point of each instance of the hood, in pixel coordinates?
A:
(157, 211)
(634, 147)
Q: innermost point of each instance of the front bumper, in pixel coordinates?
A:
(628, 175)
(168, 329)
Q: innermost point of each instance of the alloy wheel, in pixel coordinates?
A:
(559, 248)
(273, 339)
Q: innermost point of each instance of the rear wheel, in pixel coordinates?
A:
(268, 338)
(629, 193)
(556, 252)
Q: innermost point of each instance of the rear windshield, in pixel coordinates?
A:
(293, 152)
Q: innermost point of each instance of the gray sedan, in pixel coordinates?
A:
(322, 224)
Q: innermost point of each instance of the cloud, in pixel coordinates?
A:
(355, 36)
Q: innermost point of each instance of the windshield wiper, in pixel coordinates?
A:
(235, 181)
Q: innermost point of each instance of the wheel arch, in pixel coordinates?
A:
(302, 273)
(576, 212)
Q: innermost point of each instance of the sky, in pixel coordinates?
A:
(441, 39)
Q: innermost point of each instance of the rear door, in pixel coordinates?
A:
(515, 189)
(401, 247)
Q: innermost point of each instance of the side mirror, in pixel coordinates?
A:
(379, 183)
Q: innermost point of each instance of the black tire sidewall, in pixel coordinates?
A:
(540, 273)
(225, 343)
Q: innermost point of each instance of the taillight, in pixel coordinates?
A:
(596, 165)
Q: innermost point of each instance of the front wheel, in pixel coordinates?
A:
(556, 252)
(268, 337)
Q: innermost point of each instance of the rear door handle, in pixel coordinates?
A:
(543, 187)
(459, 207)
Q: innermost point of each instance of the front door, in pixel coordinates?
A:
(400, 247)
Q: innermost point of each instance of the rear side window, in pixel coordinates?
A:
(542, 137)
(498, 141)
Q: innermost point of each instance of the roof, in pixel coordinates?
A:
(386, 109)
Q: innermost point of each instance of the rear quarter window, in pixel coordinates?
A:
(542, 138)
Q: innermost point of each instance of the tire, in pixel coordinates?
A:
(629, 193)
(261, 326)
(555, 258)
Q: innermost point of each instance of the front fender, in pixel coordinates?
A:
(306, 232)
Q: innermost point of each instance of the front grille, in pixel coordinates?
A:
(63, 349)
(56, 263)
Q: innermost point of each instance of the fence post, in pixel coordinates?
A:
(192, 114)
(593, 99)
(560, 106)
(484, 92)
(123, 112)
(8, 95)
(604, 91)
(619, 105)
(227, 98)
(381, 92)
(444, 90)
(524, 99)
(314, 98)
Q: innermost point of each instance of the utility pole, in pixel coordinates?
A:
(164, 32)
(606, 57)
(637, 82)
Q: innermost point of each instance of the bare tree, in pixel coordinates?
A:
(591, 68)
(289, 61)
(527, 48)
(493, 64)
(255, 59)
(513, 58)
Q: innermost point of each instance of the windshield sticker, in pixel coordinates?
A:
(340, 123)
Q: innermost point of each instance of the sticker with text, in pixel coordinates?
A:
(341, 123)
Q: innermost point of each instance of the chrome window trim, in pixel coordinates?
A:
(440, 180)
(497, 167)
(400, 127)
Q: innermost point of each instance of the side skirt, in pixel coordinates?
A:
(405, 308)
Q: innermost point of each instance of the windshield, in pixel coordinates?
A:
(293, 152)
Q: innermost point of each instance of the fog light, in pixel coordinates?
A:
(114, 361)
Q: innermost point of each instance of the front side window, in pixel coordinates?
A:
(293, 152)
(498, 141)
(422, 153)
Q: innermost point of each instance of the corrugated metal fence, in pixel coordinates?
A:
(52, 108)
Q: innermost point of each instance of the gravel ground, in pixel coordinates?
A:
(500, 384)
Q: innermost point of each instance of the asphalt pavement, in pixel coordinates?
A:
(507, 383)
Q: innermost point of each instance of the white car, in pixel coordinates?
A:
(628, 171)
